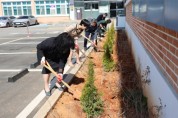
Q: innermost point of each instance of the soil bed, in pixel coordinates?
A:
(106, 83)
(120, 90)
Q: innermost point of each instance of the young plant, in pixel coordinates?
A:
(90, 99)
(108, 62)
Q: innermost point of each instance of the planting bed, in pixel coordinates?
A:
(120, 89)
(105, 82)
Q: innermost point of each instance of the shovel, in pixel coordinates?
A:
(76, 94)
(89, 40)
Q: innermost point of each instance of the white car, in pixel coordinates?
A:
(6, 21)
(25, 21)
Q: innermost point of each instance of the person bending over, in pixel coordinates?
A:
(91, 30)
(55, 51)
(102, 25)
(75, 31)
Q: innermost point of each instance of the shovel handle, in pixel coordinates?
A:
(49, 68)
(88, 40)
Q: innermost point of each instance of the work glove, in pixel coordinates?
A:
(43, 60)
(60, 77)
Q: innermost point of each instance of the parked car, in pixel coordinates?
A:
(6, 21)
(25, 21)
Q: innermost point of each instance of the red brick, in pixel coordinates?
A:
(168, 70)
(174, 77)
(177, 52)
(177, 34)
(172, 49)
(164, 50)
(161, 28)
(161, 42)
(166, 45)
(166, 60)
(175, 60)
(160, 54)
(162, 35)
(169, 55)
(170, 39)
(176, 88)
(171, 65)
(175, 43)
(164, 65)
(171, 32)
(176, 70)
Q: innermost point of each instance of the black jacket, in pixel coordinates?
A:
(91, 29)
(100, 17)
(47, 48)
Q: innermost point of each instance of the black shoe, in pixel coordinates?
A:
(61, 88)
(95, 49)
(85, 48)
(47, 93)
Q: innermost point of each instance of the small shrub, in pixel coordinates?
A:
(110, 38)
(90, 99)
(108, 62)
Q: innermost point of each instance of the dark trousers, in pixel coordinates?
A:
(93, 36)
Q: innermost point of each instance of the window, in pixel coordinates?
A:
(52, 7)
(87, 6)
(95, 6)
(58, 9)
(40, 10)
(17, 8)
(91, 6)
(7, 11)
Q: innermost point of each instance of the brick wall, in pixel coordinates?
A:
(160, 42)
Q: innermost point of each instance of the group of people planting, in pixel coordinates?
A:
(56, 51)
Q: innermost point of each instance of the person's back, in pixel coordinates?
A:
(101, 17)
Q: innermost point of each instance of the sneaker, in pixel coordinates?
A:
(71, 64)
(85, 48)
(47, 93)
(95, 49)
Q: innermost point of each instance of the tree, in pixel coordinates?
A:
(90, 99)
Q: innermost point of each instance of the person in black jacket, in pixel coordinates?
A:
(55, 51)
(101, 17)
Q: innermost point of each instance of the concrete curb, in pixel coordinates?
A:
(18, 75)
(48, 105)
(34, 65)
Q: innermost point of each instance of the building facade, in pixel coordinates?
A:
(59, 10)
(92, 8)
(44, 10)
(153, 34)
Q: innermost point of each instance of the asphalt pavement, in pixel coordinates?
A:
(17, 52)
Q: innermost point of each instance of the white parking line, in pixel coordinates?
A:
(24, 43)
(7, 38)
(17, 53)
(34, 70)
(29, 108)
(11, 41)
(10, 70)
